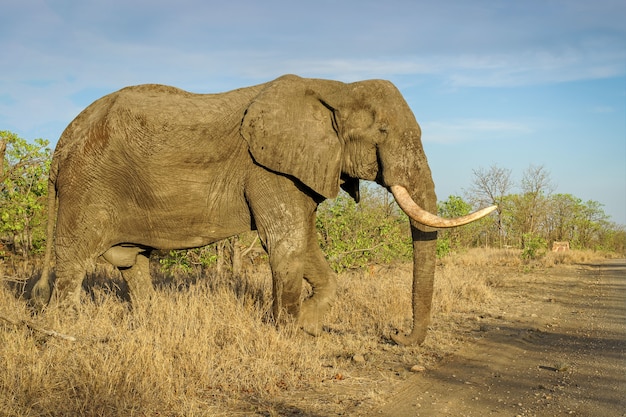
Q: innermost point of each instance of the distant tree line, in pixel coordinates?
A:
(351, 234)
(533, 213)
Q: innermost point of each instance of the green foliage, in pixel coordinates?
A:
(227, 255)
(187, 260)
(450, 239)
(458, 237)
(23, 190)
(613, 239)
(355, 235)
(454, 206)
(443, 247)
(535, 247)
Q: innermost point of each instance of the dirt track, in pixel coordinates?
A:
(558, 349)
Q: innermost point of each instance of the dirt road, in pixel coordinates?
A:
(560, 349)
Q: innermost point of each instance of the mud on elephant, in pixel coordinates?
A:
(155, 167)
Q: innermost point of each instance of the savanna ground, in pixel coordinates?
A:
(508, 338)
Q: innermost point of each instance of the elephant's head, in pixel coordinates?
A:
(330, 134)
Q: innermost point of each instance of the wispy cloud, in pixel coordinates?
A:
(603, 109)
(457, 131)
(52, 53)
(537, 66)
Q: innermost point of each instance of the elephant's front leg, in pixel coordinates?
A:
(287, 271)
(323, 282)
(282, 213)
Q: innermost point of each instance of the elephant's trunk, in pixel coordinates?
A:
(424, 256)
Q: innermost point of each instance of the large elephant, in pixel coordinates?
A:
(154, 167)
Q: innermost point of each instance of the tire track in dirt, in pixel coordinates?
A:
(558, 349)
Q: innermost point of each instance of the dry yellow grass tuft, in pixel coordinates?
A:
(572, 257)
(181, 354)
(205, 346)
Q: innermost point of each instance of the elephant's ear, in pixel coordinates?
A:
(291, 129)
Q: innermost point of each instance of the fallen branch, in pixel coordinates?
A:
(249, 248)
(349, 252)
(31, 326)
(14, 279)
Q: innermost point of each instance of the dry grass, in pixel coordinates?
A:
(484, 257)
(204, 346)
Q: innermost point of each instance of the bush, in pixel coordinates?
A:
(356, 235)
(443, 247)
(535, 247)
(23, 189)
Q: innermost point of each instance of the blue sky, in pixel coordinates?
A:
(504, 82)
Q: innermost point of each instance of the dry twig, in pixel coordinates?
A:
(31, 326)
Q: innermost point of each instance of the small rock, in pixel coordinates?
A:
(358, 359)
(418, 368)
(561, 367)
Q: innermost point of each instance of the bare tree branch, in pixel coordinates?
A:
(31, 326)
(491, 186)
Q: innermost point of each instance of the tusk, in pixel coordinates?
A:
(421, 216)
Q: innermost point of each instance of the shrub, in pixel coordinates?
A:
(443, 247)
(356, 235)
(534, 247)
(23, 189)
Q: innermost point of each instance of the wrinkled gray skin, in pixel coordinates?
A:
(154, 167)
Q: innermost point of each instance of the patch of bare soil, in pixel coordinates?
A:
(556, 347)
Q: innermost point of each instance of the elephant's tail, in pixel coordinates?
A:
(40, 295)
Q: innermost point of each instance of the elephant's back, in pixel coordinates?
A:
(150, 120)
(129, 147)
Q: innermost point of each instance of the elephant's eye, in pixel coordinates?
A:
(383, 129)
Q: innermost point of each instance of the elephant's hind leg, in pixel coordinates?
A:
(68, 284)
(138, 278)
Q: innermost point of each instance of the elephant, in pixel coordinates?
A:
(153, 167)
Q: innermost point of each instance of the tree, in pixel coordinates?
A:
(489, 187)
(23, 188)
(536, 186)
(612, 238)
(590, 220)
(560, 220)
(456, 237)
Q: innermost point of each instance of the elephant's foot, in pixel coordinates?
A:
(284, 316)
(416, 337)
(138, 278)
(40, 294)
(311, 315)
(407, 340)
(141, 295)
